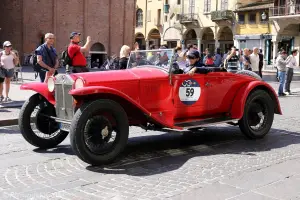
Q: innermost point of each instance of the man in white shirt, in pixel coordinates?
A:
(291, 64)
(254, 60)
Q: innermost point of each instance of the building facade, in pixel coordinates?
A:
(110, 23)
(208, 23)
(149, 23)
(284, 16)
(253, 28)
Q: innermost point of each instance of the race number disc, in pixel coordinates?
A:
(189, 92)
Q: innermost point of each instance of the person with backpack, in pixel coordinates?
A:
(74, 54)
(46, 62)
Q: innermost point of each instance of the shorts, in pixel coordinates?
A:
(8, 73)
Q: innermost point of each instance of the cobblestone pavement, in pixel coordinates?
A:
(214, 163)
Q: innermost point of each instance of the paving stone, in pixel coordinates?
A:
(251, 196)
(285, 189)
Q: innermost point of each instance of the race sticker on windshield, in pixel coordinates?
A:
(189, 92)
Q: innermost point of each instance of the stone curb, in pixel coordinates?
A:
(9, 122)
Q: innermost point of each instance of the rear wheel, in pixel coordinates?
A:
(258, 115)
(99, 131)
(36, 126)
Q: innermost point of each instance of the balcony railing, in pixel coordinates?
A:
(279, 11)
(222, 15)
(188, 18)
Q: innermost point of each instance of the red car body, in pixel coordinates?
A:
(151, 94)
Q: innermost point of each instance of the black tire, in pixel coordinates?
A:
(79, 128)
(258, 103)
(27, 131)
(249, 73)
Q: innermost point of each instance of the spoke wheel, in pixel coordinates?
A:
(99, 135)
(36, 126)
(99, 131)
(258, 115)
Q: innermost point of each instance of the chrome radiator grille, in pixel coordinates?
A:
(64, 101)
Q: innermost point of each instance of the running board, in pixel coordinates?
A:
(200, 123)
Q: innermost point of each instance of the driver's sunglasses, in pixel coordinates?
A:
(191, 58)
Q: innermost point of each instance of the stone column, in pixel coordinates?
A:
(275, 51)
(199, 44)
(217, 43)
(147, 44)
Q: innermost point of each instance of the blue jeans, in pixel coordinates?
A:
(281, 76)
(42, 75)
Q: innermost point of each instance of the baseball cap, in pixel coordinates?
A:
(193, 54)
(73, 34)
(7, 44)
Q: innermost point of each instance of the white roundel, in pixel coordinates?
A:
(189, 91)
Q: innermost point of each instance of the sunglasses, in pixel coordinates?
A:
(51, 38)
(191, 58)
(8, 46)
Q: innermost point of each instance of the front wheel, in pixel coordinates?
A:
(258, 115)
(99, 131)
(37, 127)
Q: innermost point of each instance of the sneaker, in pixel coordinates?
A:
(1, 98)
(281, 95)
(288, 93)
(7, 99)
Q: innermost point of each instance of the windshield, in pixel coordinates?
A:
(160, 58)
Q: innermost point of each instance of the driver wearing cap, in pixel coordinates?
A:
(195, 65)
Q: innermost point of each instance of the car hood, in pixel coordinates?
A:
(134, 74)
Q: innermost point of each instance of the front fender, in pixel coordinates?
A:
(237, 107)
(40, 88)
(102, 89)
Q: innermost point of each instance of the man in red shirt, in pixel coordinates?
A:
(75, 52)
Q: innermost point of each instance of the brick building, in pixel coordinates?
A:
(110, 23)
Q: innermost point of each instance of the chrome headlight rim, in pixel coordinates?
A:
(79, 83)
(51, 84)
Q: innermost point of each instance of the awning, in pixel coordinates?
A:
(172, 34)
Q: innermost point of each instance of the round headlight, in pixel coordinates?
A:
(51, 84)
(79, 83)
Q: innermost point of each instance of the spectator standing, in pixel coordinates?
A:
(254, 59)
(206, 52)
(47, 58)
(8, 61)
(75, 52)
(246, 60)
(291, 64)
(218, 58)
(261, 62)
(124, 56)
(281, 66)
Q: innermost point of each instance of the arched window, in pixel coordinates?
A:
(139, 18)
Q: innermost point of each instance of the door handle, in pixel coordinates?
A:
(207, 84)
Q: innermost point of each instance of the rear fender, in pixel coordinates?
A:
(40, 88)
(167, 121)
(237, 107)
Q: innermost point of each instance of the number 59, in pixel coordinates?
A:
(189, 92)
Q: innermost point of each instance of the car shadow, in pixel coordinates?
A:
(149, 155)
(65, 149)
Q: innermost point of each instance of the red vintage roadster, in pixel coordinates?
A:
(97, 108)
